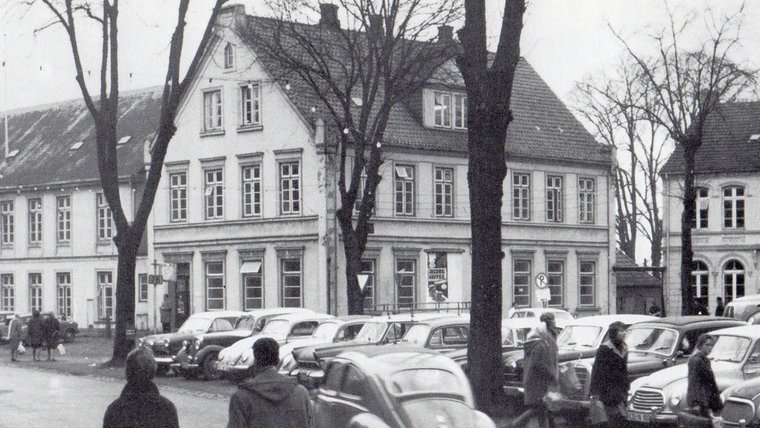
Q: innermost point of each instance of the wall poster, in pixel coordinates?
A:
(438, 278)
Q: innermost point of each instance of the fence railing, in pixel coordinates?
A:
(457, 308)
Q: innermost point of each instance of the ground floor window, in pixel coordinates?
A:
(105, 295)
(214, 285)
(701, 277)
(253, 285)
(406, 282)
(587, 281)
(63, 286)
(555, 273)
(9, 292)
(291, 281)
(368, 270)
(35, 291)
(733, 280)
(521, 274)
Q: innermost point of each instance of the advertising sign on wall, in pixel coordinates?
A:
(438, 278)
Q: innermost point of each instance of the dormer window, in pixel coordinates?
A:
(229, 56)
(442, 108)
(449, 110)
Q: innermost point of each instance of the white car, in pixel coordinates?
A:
(561, 317)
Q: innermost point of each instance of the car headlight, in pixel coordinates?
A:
(197, 343)
(674, 401)
(140, 342)
(184, 344)
(512, 365)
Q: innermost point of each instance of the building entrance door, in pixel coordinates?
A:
(182, 294)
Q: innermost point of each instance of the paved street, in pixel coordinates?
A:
(35, 398)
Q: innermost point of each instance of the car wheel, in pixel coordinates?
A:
(188, 374)
(209, 368)
(68, 336)
(162, 370)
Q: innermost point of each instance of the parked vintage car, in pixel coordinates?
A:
(5, 319)
(166, 346)
(380, 387)
(513, 334)
(740, 405)
(745, 308)
(735, 357)
(561, 316)
(199, 354)
(439, 334)
(69, 329)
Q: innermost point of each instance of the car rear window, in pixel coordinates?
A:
(423, 380)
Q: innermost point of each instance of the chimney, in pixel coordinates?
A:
(376, 30)
(445, 34)
(229, 14)
(329, 15)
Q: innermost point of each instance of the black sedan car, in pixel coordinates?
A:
(740, 404)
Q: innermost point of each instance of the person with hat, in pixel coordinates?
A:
(609, 376)
(540, 374)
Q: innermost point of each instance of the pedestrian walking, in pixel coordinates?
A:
(702, 394)
(700, 308)
(541, 372)
(52, 331)
(269, 399)
(140, 405)
(166, 314)
(609, 376)
(35, 334)
(719, 308)
(14, 336)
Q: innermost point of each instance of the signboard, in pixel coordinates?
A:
(543, 294)
(155, 279)
(437, 275)
(541, 281)
(169, 271)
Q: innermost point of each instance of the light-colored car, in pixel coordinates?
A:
(561, 316)
(514, 331)
(745, 308)
(659, 397)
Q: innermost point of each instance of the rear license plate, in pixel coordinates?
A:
(639, 416)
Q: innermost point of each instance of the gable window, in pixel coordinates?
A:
(404, 176)
(521, 274)
(733, 280)
(449, 110)
(214, 194)
(703, 203)
(105, 296)
(444, 192)
(212, 110)
(701, 283)
(733, 207)
(35, 291)
(291, 283)
(214, 285)
(250, 105)
(406, 282)
(520, 196)
(586, 198)
(229, 56)
(442, 109)
(7, 216)
(587, 276)
(290, 187)
(554, 198)
(9, 292)
(142, 287)
(178, 196)
(555, 273)
(63, 287)
(251, 190)
(460, 111)
(63, 204)
(105, 219)
(35, 221)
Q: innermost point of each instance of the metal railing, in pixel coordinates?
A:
(410, 308)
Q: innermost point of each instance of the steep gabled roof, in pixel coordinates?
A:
(44, 137)
(727, 144)
(636, 278)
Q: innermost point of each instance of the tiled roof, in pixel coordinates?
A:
(44, 137)
(726, 145)
(543, 127)
(638, 278)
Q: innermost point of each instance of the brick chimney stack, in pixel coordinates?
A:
(329, 15)
(445, 34)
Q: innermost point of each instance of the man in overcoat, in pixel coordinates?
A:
(541, 372)
(702, 393)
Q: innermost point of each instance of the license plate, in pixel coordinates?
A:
(639, 416)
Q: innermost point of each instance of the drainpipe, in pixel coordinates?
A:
(5, 92)
(666, 224)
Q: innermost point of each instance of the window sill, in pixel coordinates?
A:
(249, 128)
(212, 133)
(35, 245)
(63, 244)
(588, 309)
(104, 242)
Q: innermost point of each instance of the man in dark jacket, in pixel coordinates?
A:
(609, 376)
(140, 405)
(540, 372)
(719, 308)
(269, 399)
(702, 393)
(52, 331)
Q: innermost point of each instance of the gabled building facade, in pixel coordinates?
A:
(726, 233)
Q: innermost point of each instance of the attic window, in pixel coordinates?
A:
(124, 139)
(357, 101)
(12, 154)
(77, 145)
(229, 56)
(754, 137)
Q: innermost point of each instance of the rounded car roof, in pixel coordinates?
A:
(745, 330)
(606, 320)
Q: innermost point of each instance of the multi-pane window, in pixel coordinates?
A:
(449, 110)
(214, 285)
(368, 271)
(404, 176)
(105, 295)
(7, 216)
(212, 110)
(553, 198)
(733, 280)
(521, 274)
(250, 105)
(291, 281)
(587, 279)
(586, 198)
(253, 285)
(703, 204)
(35, 221)
(63, 207)
(9, 292)
(360, 189)
(63, 287)
(142, 287)
(520, 196)
(251, 190)
(444, 192)
(290, 187)
(701, 277)
(555, 273)
(229, 56)
(105, 219)
(733, 207)
(214, 185)
(406, 282)
(460, 112)
(442, 109)
(178, 196)
(35, 291)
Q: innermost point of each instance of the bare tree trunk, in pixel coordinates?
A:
(125, 297)
(687, 219)
(355, 296)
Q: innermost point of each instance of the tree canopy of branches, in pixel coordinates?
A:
(488, 79)
(686, 84)
(358, 75)
(104, 111)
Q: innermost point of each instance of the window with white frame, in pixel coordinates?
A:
(251, 190)
(733, 207)
(406, 282)
(35, 221)
(7, 216)
(460, 111)
(214, 285)
(404, 176)
(214, 185)
(520, 196)
(105, 219)
(105, 295)
(63, 291)
(291, 283)
(368, 269)
(587, 281)
(521, 274)
(586, 198)
(554, 198)
(253, 285)
(178, 196)
(442, 109)
(449, 110)
(360, 189)
(142, 287)
(9, 291)
(703, 205)
(290, 187)
(63, 207)
(229, 56)
(212, 110)
(555, 275)
(733, 280)
(444, 192)
(701, 281)
(250, 105)
(35, 291)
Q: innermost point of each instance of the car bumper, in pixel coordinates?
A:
(164, 360)
(652, 418)
(514, 391)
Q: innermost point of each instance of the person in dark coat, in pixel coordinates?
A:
(540, 374)
(166, 314)
(35, 334)
(700, 308)
(609, 376)
(702, 394)
(269, 399)
(14, 336)
(52, 331)
(719, 308)
(140, 405)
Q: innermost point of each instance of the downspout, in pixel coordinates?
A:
(666, 224)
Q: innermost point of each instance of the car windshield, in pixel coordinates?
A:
(276, 328)
(417, 334)
(579, 335)
(371, 332)
(423, 380)
(325, 331)
(508, 335)
(194, 325)
(729, 348)
(651, 339)
(245, 323)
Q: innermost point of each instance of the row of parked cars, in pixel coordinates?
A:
(69, 329)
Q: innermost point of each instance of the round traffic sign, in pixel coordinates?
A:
(541, 281)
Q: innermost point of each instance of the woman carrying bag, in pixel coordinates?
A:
(14, 336)
(609, 381)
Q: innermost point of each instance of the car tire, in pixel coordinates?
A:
(68, 336)
(208, 367)
(162, 370)
(188, 374)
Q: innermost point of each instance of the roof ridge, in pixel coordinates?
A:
(156, 89)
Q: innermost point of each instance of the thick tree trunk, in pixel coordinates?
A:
(353, 253)
(687, 219)
(125, 297)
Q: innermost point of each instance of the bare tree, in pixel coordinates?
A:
(358, 75)
(104, 111)
(488, 79)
